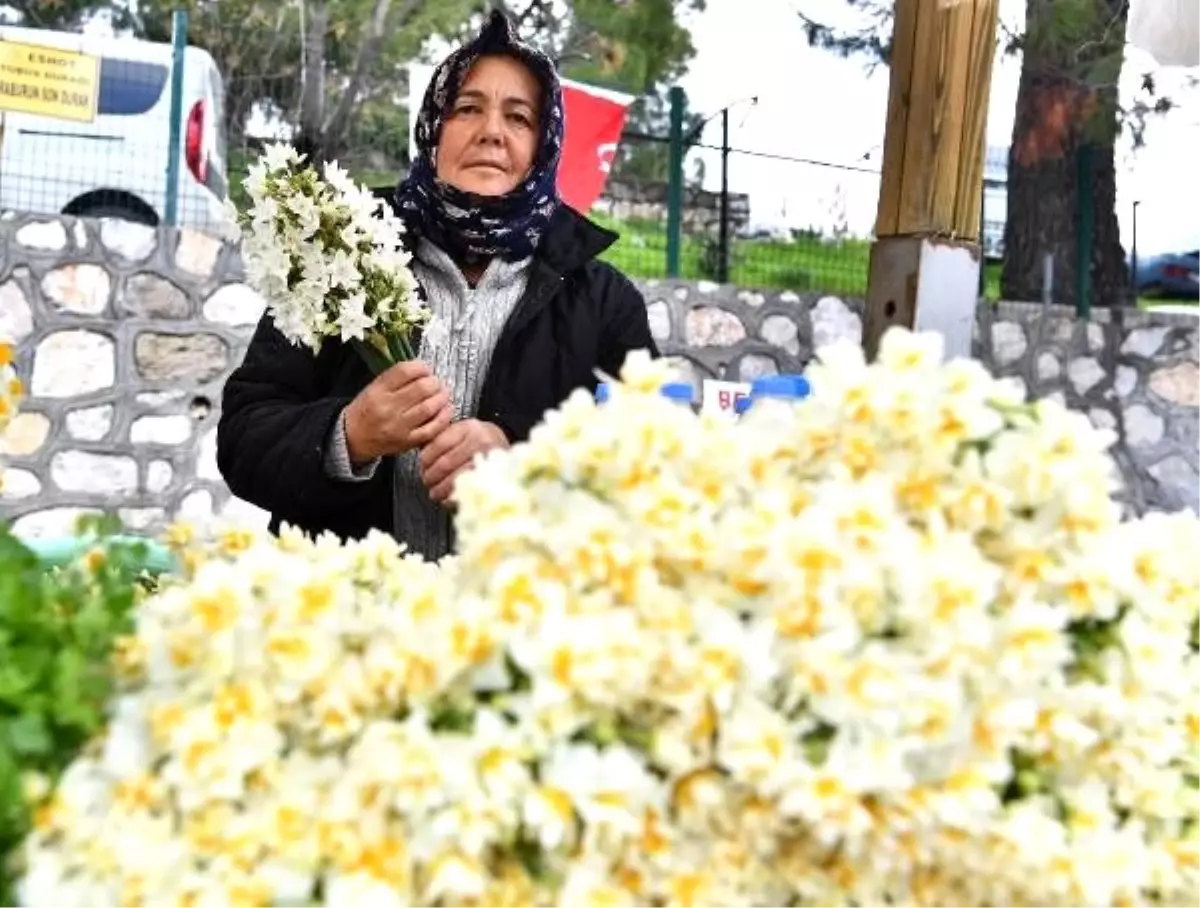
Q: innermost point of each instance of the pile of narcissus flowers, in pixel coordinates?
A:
(892, 645)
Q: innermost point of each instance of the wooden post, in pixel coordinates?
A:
(925, 261)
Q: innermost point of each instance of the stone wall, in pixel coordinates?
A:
(125, 336)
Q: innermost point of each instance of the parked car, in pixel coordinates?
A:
(1174, 275)
(108, 156)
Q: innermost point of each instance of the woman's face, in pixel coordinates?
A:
(490, 135)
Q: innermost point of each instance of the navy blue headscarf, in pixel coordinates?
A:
(469, 227)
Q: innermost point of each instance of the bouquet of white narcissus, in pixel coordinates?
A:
(328, 258)
(891, 645)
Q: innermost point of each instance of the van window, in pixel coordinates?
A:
(130, 87)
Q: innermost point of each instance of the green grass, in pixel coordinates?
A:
(807, 263)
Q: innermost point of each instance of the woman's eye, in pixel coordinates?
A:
(466, 108)
(521, 119)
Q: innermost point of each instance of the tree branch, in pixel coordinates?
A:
(368, 53)
(312, 95)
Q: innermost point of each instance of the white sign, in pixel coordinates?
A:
(722, 396)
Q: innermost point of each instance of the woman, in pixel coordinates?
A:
(509, 270)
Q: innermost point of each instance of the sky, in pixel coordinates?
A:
(815, 105)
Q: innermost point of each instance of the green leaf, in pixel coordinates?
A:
(27, 735)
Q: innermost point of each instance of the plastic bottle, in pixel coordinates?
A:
(783, 389)
(780, 387)
(678, 392)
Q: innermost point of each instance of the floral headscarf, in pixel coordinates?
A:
(469, 227)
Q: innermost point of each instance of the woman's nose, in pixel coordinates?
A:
(492, 129)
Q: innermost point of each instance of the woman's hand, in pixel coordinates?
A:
(453, 451)
(403, 408)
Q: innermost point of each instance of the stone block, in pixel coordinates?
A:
(1048, 366)
(90, 423)
(1085, 373)
(756, 365)
(79, 288)
(129, 241)
(781, 331)
(235, 305)
(150, 296)
(833, 321)
(16, 483)
(196, 505)
(50, 522)
(206, 458)
(1179, 483)
(1102, 419)
(1178, 384)
(16, 317)
(1144, 342)
(44, 236)
(659, 316)
(160, 430)
(141, 519)
(1126, 381)
(1008, 342)
(25, 435)
(72, 362)
(183, 358)
(84, 471)
(197, 253)
(711, 326)
(158, 475)
(1143, 427)
(158, 398)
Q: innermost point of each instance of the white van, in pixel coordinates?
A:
(109, 158)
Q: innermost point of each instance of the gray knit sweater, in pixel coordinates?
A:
(474, 318)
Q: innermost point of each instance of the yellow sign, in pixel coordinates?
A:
(48, 82)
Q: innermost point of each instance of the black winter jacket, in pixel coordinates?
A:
(279, 406)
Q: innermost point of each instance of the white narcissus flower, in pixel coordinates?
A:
(328, 257)
(891, 645)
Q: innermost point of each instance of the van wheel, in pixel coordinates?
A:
(119, 213)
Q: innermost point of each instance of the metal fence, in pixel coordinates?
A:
(792, 223)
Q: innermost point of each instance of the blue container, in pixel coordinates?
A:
(678, 392)
(780, 387)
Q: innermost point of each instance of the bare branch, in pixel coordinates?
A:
(368, 54)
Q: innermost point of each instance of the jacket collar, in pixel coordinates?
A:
(572, 240)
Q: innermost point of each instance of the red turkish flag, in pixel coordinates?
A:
(595, 119)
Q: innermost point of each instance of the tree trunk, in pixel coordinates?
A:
(1058, 114)
(312, 95)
